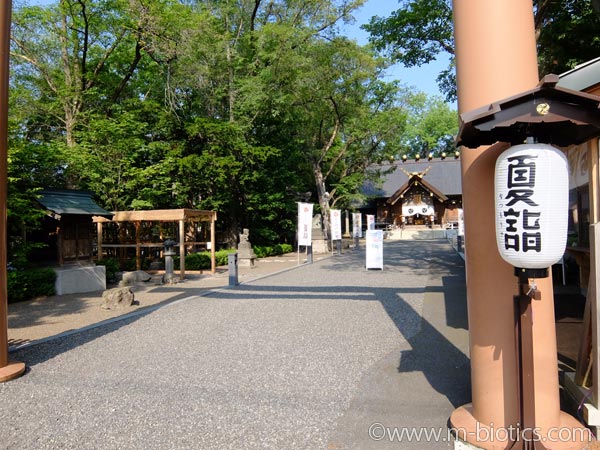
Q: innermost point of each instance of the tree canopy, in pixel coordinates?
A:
(236, 106)
(419, 31)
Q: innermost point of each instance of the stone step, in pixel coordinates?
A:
(417, 232)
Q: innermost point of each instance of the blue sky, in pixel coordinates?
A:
(422, 78)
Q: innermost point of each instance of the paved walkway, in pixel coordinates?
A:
(324, 356)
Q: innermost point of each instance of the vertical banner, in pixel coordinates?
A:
(461, 223)
(374, 258)
(305, 224)
(357, 225)
(370, 222)
(336, 225)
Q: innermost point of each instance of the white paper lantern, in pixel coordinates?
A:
(532, 201)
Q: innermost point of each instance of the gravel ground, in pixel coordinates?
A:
(276, 363)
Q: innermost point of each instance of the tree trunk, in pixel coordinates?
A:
(323, 196)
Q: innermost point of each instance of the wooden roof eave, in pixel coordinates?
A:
(552, 114)
(398, 194)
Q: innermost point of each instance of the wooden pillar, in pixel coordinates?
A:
(213, 259)
(59, 245)
(138, 248)
(8, 369)
(100, 240)
(182, 249)
(592, 294)
(496, 58)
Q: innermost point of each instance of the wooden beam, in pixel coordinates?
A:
(159, 215)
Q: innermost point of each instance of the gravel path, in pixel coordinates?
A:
(277, 363)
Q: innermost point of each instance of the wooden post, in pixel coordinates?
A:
(213, 259)
(59, 245)
(100, 250)
(495, 59)
(182, 249)
(592, 294)
(8, 369)
(138, 248)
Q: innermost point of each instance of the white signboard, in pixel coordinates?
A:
(357, 225)
(336, 225)
(375, 249)
(370, 222)
(305, 223)
(461, 222)
(532, 202)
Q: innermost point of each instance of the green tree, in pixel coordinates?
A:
(431, 128)
(567, 32)
(236, 106)
(339, 116)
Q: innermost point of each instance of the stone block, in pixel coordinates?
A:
(117, 298)
(79, 279)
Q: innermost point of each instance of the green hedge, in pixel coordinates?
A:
(30, 283)
(201, 260)
(265, 251)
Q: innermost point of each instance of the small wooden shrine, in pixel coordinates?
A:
(67, 230)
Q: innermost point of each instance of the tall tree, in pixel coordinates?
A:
(431, 128)
(421, 30)
(230, 105)
(75, 53)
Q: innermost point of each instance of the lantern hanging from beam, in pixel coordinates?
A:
(532, 201)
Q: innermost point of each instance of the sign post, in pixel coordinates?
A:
(374, 257)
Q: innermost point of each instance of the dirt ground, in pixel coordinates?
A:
(48, 316)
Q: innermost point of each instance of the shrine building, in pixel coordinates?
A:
(424, 192)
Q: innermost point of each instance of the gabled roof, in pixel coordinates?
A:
(415, 179)
(70, 202)
(442, 175)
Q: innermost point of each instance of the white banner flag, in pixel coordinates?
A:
(370, 222)
(336, 225)
(305, 223)
(357, 225)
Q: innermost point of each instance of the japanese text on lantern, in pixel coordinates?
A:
(520, 211)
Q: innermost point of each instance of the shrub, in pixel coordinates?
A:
(112, 267)
(197, 261)
(221, 256)
(265, 251)
(30, 283)
(201, 260)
